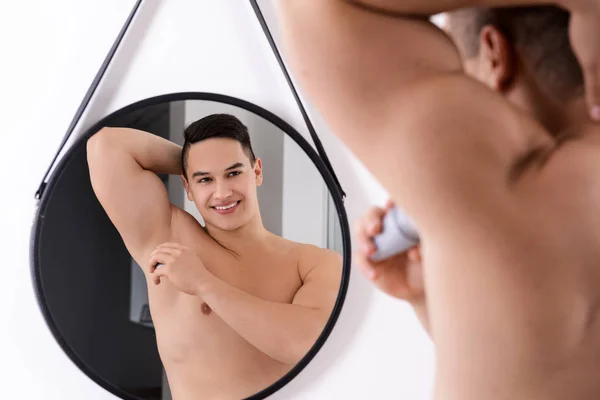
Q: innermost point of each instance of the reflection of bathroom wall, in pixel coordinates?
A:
(176, 127)
(267, 143)
(304, 198)
(166, 390)
(334, 228)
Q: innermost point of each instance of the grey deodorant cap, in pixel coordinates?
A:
(398, 235)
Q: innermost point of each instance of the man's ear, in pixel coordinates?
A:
(498, 57)
(258, 171)
(186, 186)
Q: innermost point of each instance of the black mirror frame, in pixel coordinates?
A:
(334, 190)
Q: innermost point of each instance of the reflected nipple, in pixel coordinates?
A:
(206, 310)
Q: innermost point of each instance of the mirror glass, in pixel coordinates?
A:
(248, 240)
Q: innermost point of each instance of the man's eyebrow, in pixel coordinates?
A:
(199, 173)
(234, 166)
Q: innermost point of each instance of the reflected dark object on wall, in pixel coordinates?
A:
(87, 278)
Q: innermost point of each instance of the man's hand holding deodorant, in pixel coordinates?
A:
(389, 254)
(398, 234)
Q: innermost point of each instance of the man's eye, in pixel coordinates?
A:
(204, 180)
(234, 173)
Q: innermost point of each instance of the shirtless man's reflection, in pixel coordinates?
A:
(234, 306)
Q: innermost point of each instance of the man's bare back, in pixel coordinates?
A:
(506, 207)
(533, 292)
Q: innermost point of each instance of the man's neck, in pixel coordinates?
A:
(576, 112)
(557, 116)
(567, 118)
(245, 237)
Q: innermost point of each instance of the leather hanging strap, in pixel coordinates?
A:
(88, 95)
(309, 125)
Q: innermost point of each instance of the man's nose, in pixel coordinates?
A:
(223, 190)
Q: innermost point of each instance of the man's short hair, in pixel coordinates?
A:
(540, 35)
(216, 126)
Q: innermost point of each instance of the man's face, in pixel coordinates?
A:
(222, 182)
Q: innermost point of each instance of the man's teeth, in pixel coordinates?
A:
(227, 207)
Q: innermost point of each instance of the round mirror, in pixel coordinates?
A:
(191, 246)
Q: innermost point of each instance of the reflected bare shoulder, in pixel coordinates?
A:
(311, 257)
(321, 273)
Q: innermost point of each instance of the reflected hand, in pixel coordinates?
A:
(400, 276)
(180, 265)
(584, 33)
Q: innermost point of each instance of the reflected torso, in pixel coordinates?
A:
(203, 357)
(539, 293)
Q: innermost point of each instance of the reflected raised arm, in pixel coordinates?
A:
(123, 165)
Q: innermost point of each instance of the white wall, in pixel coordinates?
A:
(51, 51)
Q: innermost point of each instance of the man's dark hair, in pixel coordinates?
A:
(540, 35)
(216, 126)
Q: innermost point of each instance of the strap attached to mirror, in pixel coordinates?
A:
(88, 95)
(100, 74)
(309, 125)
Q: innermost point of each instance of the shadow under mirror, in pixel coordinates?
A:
(191, 248)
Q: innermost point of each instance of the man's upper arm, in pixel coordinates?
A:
(394, 91)
(135, 199)
(350, 60)
(321, 272)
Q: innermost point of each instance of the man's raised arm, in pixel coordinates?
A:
(394, 90)
(432, 7)
(123, 165)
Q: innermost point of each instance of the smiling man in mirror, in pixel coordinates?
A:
(234, 306)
